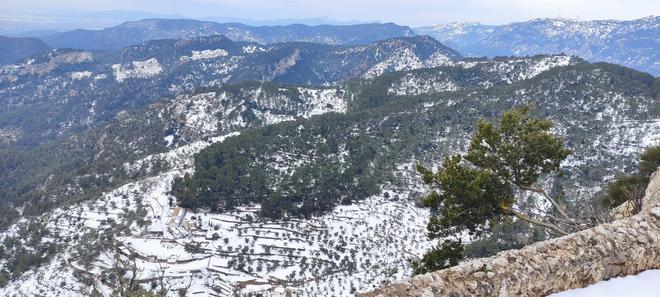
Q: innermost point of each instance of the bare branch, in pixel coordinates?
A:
(530, 220)
(554, 203)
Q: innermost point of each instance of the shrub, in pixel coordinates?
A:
(625, 188)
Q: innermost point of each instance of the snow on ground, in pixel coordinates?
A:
(205, 54)
(508, 71)
(354, 247)
(645, 284)
(137, 69)
(412, 84)
(251, 49)
(78, 75)
(323, 100)
(405, 59)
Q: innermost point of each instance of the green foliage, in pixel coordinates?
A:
(476, 195)
(447, 254)
(26, 251)
(7, 215)
(520, 150)
(649, 161)
(622, 188)
(466, 198)
(629, 188)
(239, 171)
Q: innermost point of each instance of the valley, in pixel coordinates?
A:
(193, 158)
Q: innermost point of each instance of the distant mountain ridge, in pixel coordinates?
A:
(634, 43)
(131, 33)
(13, 49)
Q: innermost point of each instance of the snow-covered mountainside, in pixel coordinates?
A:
(631, 43)
(220, 110)
(476, 73)
(68, 90)
(136, 32)
(381, 126)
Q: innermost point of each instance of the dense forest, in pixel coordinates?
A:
(341, 158)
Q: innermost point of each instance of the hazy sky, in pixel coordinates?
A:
(407, 12)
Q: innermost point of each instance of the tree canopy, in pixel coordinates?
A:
(471, 193)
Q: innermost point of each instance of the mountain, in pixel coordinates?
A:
(219, 167)
(14, 49)
(325, 166)
(64, 91)
(38, 23)
(131, 33)
(286, 21)
(336, 161)
(193, 117)
(631, 43)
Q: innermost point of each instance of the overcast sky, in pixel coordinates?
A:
(406, 12)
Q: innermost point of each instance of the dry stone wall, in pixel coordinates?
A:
(623, 247)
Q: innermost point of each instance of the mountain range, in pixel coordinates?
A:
(131, 33)
(632, 43)
(68, 90)
(223, 166)
(340, 158)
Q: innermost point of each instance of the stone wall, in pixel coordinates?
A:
(623, 247)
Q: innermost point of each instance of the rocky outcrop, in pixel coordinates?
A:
(623, 247)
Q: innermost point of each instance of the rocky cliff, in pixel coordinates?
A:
(623, 247)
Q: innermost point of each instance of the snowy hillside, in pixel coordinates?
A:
(630, 43)
(61, 91)
(133, 161)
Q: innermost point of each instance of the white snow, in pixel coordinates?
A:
(205, 54)
(504, 72)
(169, 139)
(137, 69)
(310, 255)
(405, 59)
(78, 75)
(323, 100)
(251, 49)
(645, 284)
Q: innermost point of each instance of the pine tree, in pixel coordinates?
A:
(471, 193)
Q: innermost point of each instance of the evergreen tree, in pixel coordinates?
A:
(631, 188)
(472, 193)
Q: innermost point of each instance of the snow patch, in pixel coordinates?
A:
(137, 69)
(645, 284)
(78, 75)
(205, 54)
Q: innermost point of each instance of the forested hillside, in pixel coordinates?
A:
(67, 91)
(250, 180)
(311, 165)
